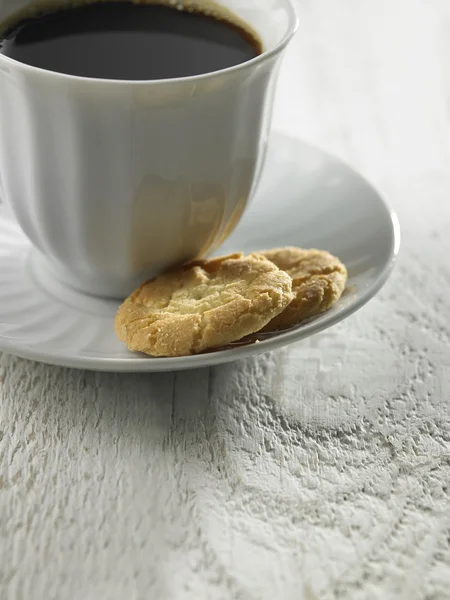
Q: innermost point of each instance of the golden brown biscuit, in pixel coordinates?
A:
(318, 280)
(202, 305)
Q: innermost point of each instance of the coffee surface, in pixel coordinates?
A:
(126, 40)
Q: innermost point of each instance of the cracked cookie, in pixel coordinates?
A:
(318, 280)
(202, 305)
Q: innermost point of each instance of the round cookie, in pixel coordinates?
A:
(203, 304)
(318, 280)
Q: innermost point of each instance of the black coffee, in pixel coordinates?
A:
(124, 40)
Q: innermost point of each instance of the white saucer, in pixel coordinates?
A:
(307, 198)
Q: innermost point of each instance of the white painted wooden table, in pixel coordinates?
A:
(318, 472)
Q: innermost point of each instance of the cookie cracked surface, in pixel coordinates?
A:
(202, 305)
(318, 280)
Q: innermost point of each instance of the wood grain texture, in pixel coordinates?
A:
(320, 471)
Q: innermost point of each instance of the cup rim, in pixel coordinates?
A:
(253, 62)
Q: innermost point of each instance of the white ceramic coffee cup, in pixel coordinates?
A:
(113, 181)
